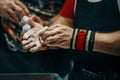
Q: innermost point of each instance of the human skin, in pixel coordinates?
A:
(13, 10)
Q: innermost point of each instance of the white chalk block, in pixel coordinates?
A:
(26, 27)
(24, 20)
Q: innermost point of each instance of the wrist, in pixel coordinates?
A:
(83, 40)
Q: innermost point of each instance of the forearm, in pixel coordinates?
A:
(81, 39)
(108, 43)
(58, 19)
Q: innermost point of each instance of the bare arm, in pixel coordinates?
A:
(58, 19)
(61, 35)
(108, 43)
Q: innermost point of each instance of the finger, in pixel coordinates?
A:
(43, 30)
(34, 49)
(13, 20)
(30, 45)
(19, 11)
(38, 48)
(61, 44)
(40, 32)
(34, 24)
(24, 8)
(50, 33)
(12, 15)
(44, 47)
(53, 27)
(31, 22)
(5, 14)
(52, 44)
(8, 16)
(28, 34)
(57, 38)
(0, 12)
(25, 42)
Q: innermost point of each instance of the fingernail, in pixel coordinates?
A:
(32, 51)
(25, 37)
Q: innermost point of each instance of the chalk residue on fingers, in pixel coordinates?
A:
(38, 33)
(42, 30)
(25, 28)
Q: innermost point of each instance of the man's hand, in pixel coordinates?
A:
(36, 24)
(58, 35)
(31, 39)
(13, 10)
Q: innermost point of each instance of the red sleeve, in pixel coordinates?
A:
(68, 9)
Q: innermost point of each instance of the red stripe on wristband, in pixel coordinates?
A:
(81, 40)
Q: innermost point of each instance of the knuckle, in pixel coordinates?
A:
(20, 10)
(33, 16)
(14, 0)
(24, 8)
(9, 3)
(5, 7)
(13, 14)
(59, 31)
(22, 43)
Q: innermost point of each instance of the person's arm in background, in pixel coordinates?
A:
(58, 19)
(67, 13)
(13, 10)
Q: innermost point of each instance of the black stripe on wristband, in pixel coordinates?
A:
(91, 42)
(71, 42)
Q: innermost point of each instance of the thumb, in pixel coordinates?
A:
(34, 24)
(31, 22)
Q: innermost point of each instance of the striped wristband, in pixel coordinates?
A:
(82, 40)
